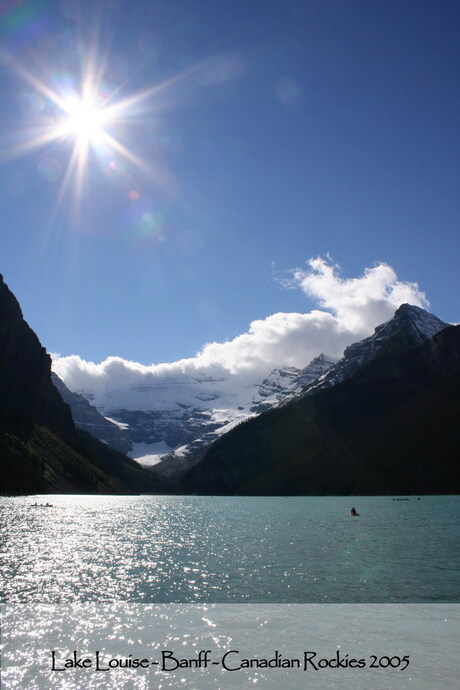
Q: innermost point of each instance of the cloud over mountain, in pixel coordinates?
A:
(357, 302)
(349, 310)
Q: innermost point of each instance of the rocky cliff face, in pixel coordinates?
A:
(86, 417)
(40, 448)
(27, 396)
(281, 384)
(410, 326)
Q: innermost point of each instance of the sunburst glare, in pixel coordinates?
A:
(89, 117)
(84, 120)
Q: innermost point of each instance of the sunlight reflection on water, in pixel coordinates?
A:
(229, 549)
(427, 633)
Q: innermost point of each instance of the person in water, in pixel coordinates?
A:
(353, 511)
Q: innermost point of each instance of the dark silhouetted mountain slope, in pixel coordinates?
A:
(409, 326)
(390, 427)
(40, 448)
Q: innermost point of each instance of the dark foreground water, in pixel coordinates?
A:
(163, 549)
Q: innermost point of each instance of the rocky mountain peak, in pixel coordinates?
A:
(410, 326)
(278, 380)
(317, 367)
(423, 323)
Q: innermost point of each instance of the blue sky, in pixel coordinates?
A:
(283, 131)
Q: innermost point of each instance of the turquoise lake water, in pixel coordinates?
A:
(194, 549)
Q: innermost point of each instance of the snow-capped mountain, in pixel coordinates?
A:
(166, 418)
(176, 415)
(389, 428)
(87, 417)
(410, 326)
(281, 383)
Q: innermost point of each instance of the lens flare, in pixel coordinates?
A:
(81, 110)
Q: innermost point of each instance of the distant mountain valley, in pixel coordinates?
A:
(167, 423)
(382, 419)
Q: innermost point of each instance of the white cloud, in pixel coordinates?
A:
(358, 303)
(350, 310)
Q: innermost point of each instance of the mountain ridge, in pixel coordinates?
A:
(388, 428)
(410, 326)
(167, 422)
(186, 413)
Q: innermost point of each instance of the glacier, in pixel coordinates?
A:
(161, 420)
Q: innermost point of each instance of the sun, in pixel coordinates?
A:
(84, 119)
(86, 111)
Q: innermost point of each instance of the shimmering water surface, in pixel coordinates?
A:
(229, 549)
(427, 633)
